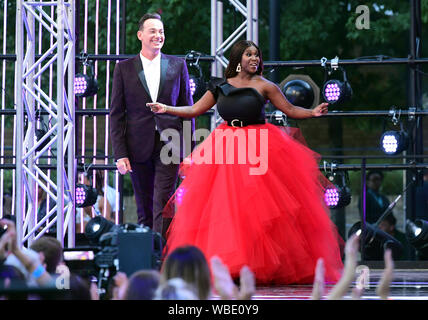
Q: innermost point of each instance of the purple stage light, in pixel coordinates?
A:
(86, 196)
(196, 86)
(80, 195)
(180, 195)
(331, 197)
(84, 85)
(332, 92)
(336, 91)
(80, 85)
(192, 86)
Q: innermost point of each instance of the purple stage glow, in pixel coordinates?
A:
(331, 197)
(80, 85)
(80, 195)
(179, 195)
(332, 92)
(192, 86)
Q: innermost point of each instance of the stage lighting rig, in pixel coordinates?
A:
(196, 79)
(338, 194)
(278, 118)
(96, 227)
(394, 142)
(335, 91)
(85, 85)
(376, 241)
(86, 196)
(417, 233)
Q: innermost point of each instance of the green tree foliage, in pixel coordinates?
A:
(310, 30)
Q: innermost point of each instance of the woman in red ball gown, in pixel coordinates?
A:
(251, 193)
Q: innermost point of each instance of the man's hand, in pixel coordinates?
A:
(123, 165)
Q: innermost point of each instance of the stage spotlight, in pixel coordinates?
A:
(85, 85)
(196, 79)
(394, 142)
(197, 87)
(337, 197)
(96, 227)
(376, 241)
(331, 197)
(335, 91)
(417, 233)
(339, 194)
(300, 90)
(86, 196)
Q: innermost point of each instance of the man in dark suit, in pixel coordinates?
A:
(376, 202)
(137, 134)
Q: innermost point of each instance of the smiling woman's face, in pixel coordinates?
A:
(250, 60)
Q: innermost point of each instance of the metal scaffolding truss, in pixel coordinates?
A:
(219, 47)
(57, 19)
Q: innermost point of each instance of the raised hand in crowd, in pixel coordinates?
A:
(36, 269)
(383, 287)
(351, 251)
(318, 287)
(224, 285)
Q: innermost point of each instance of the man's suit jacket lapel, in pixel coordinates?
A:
(164, 68)
(140, 71)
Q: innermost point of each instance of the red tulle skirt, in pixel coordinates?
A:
(265, 211)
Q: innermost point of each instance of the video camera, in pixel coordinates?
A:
(126, 248)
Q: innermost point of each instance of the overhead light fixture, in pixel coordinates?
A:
(417, 233)
(376, 241)
(300, 90)
(338, 194)
(86, 196)
(196, 80)
(336, 91)
(393, 142)
(85, 85)
(197, 86)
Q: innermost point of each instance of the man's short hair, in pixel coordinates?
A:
(390, 219)
(52, 250)
(148, 16)
(372, 172)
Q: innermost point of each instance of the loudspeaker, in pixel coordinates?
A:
(136, 251)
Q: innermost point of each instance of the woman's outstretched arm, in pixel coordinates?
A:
(201, 106)
(276, 97)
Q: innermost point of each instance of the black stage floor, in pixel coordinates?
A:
(407, 284)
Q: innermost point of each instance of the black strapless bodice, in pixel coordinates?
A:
(245, 104)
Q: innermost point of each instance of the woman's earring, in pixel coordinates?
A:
(238, 68)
